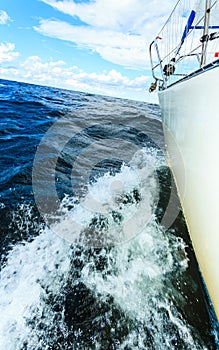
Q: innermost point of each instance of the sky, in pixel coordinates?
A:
(95, 46)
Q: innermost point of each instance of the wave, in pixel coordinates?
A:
(112, 285)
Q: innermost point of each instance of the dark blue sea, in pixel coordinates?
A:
(95, 252)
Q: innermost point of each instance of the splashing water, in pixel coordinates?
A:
(111, 289)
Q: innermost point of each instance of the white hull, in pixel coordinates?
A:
(191, 126)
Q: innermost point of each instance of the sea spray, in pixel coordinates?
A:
(32, 270)
(113, 288)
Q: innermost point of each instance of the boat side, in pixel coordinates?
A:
(190, 110)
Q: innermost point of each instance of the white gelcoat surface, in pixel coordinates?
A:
(191, 126)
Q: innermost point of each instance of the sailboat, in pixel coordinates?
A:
(185, 67)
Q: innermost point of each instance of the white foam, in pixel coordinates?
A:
(29, 267)
(140, 265)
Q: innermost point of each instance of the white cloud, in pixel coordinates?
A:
(124, 49)
(4, 17)
(122, 16)
(55, 73)
(7, 53)
(119, 31)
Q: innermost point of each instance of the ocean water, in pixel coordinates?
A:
(95, 253)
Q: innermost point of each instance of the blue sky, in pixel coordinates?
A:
(98, 46)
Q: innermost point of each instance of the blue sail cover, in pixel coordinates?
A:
(188, 26)
(202, 27)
